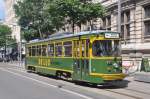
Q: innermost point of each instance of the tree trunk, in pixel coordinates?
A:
(73, 26)
(91, 25)
(80, 26)
(40, 34)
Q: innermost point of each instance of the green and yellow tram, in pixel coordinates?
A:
(91, 56)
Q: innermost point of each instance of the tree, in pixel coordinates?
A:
(77, 12)
(5, 32)
(42, 18)
(92, 11)
(39, 17)
(5, 37)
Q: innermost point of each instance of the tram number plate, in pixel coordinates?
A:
(111, 35)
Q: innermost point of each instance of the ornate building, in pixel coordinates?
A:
(11, 20)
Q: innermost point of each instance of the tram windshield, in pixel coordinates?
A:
(105, 48)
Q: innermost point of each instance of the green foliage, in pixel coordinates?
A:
(44, 17)
(4, 30)
(145, 66)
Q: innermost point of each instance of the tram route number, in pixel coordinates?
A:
(44, 62)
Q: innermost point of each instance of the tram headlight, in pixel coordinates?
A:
(115, 65)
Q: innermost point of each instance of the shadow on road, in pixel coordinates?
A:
(116, 85)
(113, 85)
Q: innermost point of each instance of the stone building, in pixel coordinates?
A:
(11, 20)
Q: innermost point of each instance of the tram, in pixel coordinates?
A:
(90, 56)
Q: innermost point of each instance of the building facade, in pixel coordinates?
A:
(11, 20)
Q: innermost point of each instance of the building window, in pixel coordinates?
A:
(122, 31)
(125, 24)
(147, 11)
(128, 30)
(147, 27)
(127, 15)
(107, 23)
(147, 20)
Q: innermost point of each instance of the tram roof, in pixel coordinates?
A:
(61, 35)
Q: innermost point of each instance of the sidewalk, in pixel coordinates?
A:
(17, 63)
(142, 77)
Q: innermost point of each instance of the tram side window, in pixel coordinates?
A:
(68, 49)
(87, 47)
(58, 49)
(51, 49)
(105, 48)
(29, 49)
(33, 50)
(44, 50)
(39, 50)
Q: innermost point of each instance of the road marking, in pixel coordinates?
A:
(21, 70)
(44, 83)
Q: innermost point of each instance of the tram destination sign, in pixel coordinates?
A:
(111, 35)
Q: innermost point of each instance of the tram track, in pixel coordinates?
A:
(124, 94)
(138, 91)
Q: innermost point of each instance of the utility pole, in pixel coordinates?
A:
(119, 24)
(119, 16)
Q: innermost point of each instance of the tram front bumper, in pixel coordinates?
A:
(109, 77)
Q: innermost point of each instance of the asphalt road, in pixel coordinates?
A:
(16, 83)
(18, 87)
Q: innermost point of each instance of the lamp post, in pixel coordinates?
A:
(119, 22)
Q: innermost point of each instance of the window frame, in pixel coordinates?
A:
(64, 49)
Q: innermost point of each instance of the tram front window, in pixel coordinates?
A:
(105, 48)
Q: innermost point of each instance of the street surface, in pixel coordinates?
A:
(16, 83)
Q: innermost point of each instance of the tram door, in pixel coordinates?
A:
(81, 62)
